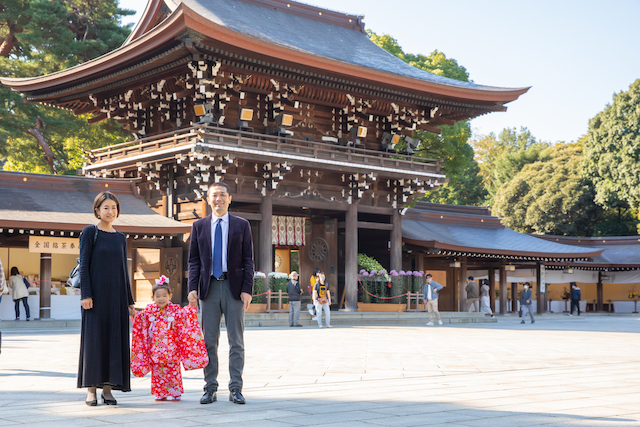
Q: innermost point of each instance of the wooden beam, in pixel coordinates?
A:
(369, 225)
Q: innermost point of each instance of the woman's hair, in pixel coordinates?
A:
(159, 286)
(100, 199)
(316, 271)
(14, 271)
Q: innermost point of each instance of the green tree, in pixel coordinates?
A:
(40, 37)
(465, 186)
(502, 157)
(551, 196)
(612, 150)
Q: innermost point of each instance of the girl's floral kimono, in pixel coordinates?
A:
(161, 340)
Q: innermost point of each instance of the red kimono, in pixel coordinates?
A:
(162, 338)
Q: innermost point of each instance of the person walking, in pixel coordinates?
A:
(106, 303)
(3, 281)
(221, 276)
(322, 300)
(430, 298)
(19, 292)
(293, 289)
(525, 302)
(576, 296)
(473, 296)
(485, 299)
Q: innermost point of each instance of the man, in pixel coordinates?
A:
(576, 296)
(430, 298)
(293, 289)
(525, 302)
(221, 276)
(473, 294)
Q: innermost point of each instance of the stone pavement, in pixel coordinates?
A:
(558, 372)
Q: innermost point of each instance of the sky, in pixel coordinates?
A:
(574, 54)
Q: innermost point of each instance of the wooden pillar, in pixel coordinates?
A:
(420, 262)
(169, 200)
(45, 286)
(514, 297)
(503, 290)
(492, 288)
(351, 258)
(541, 288)
(462, 284)
(599, 293)
(265, 263)
(396, 241)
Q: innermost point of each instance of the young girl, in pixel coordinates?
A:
(165, 334)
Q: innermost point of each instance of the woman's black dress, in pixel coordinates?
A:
(104, 337)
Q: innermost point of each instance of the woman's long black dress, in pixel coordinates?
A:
(104, 337)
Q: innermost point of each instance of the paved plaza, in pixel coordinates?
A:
(559, 371)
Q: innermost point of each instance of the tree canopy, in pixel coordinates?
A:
(551, 196)
(465, 186)
(502, 157)
(612, 150)
(40, 37)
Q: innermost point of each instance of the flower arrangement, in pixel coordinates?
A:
(634, 295)
(278, 281)
(258, 286)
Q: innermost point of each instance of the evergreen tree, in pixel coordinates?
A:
(41, 37)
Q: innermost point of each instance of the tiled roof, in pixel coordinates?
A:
(58, 202)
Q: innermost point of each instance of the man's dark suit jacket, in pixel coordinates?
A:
(239, 257)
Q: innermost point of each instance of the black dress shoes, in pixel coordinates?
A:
(236, 397)
(111, 402)
(209, 396)
(93, 402)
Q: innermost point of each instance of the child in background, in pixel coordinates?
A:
(164, 335)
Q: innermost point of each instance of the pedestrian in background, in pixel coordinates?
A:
(576, 296)
(525, 302)
(485, 299)
(473, 294)
(322, 300)
(430, 298)
(293, 289)
(19, 292)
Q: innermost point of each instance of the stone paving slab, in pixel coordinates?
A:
(557, 372)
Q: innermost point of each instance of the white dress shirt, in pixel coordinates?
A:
(225, 238)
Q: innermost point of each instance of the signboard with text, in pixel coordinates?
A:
(54, 245)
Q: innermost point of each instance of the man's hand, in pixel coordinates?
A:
(193, 298)
(87, 303)
(246, 300)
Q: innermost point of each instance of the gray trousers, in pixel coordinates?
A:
(294, 313)
(525, 309)
(219, 301)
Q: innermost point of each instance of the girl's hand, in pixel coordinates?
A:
(132, 311)
(86, 303)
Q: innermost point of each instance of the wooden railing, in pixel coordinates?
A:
(280, 296)
(281, 147)
(413, 302)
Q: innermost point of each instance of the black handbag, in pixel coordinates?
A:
(74, 276)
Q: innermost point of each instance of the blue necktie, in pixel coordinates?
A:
(217, 250)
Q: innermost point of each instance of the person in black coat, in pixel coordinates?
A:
(107, 303)
(576, 296)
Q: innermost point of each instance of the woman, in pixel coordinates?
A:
(485, 299)
(106, 302)
(322, 300)
(19, 292)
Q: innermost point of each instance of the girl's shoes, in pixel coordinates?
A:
(176, 398)
(161, 399)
